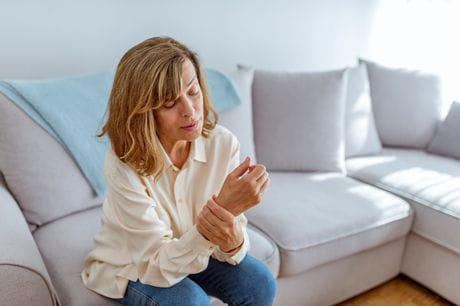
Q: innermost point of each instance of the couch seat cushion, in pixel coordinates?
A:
(65, 242)
(316, 218)
(431, 183)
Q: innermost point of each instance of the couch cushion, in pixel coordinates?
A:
(447, 138)
(44, 179)
(301, 110)
(403, 99)
(239, 119)
(316, 218)
(361, 136)
(64, 244)
(431, 183)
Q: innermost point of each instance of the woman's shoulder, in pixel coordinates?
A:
(114, 166)
(222, 136)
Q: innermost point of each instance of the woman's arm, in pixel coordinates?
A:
(161, 259)
(234, 257)
(238, 255)
(244, 185)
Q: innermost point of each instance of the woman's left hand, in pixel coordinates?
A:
(220, 226)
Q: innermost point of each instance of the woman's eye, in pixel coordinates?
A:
(195, 91)
(169, 104)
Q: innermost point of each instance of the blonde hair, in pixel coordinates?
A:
(147, 76)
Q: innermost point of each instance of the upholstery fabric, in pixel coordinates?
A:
(361, 136)
(38, 170)
(299, 120)
(316, 218)
(23, 273)
(432, 265)
(429, 182)
(344, 278)
(447, 138)
(403, 99)
(239, 118)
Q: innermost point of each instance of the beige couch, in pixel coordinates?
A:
(326, 236)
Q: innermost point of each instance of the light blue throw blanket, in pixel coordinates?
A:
(73, 110)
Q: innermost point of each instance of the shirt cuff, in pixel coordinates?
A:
(198, 243)
(239, 255)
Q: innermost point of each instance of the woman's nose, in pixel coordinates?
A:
(187, 108)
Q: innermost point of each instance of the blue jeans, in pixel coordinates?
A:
(248, 283)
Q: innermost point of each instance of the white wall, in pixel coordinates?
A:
(59, 37)
(420, 34)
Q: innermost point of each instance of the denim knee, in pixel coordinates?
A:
(264, 292)
(258, 286)
(192, 296)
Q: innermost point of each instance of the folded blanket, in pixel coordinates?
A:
(73, 110)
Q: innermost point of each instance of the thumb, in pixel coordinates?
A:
(241, 169)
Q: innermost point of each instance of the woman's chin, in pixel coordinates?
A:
(191, 136)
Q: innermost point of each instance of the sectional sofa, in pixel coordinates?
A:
(361, 189)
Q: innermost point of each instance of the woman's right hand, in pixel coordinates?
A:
(242, 191)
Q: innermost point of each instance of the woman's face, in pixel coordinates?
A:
(182, 119)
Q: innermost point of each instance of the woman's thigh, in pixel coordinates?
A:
(248, 283)
(186, 292)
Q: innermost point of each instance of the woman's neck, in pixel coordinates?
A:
(177, 151)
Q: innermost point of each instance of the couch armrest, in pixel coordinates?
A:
(23, 276)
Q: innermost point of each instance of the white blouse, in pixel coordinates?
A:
(148, 228)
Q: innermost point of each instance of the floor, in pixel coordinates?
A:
(398, 291)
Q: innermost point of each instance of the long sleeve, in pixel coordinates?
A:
(161, 260)
(241, 253)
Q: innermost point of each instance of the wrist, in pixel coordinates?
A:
(233, 250)
(222, 204)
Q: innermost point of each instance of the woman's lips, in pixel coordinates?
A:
(191, 127)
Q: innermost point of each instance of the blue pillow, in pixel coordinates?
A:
(72, 110)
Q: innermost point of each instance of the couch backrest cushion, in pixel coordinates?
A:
(299, 120)
(239, 119)
(361, 136)
(407, 105)
(39, 172)
(447, 138)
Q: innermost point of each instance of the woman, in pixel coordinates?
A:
(173, 229)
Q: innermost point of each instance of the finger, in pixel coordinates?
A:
(209, 230)
(205, 231)
(219, 211)
(258, 171)
(265, 186)
(207, 220)
(213, 219)
(262, 179)
(241, 169)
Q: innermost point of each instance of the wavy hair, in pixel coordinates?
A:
(148, 75)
